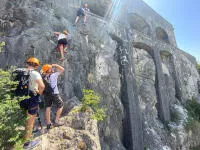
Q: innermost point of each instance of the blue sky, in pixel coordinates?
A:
(184, 15)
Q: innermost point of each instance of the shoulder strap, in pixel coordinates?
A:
(29, 72)
(47, 77)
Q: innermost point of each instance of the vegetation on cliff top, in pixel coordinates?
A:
(91, 100)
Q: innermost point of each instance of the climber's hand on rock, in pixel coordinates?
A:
(54, 65)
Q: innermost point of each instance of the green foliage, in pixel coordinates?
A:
(191, 124)
(91, 100)
(193, 120)
(193, 109)
(2, 44)
(11, 116)
(175, 117)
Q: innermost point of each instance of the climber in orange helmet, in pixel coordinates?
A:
(51, 93)
(31, 105)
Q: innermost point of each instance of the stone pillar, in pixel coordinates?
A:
(177, 80)
(133, 134)
(163, 98)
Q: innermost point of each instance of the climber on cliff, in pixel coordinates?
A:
(51, 93)
(69, 41)
(81, 12)
(62, 43)
(31, 105)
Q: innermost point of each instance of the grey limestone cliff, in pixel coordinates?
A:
(126, 52)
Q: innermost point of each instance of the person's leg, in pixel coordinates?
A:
(65, 49)
(48, 115)
(59, 105)
(61, 52)
(76, 20)
(58, 113)
(48, 101)
(65, 46)
(28, 131)
(84, 19)
(29, 126)
(33, 107)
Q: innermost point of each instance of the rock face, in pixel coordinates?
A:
(79, 132)
(126, 52)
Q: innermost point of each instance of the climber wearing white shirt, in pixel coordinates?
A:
(62, 42)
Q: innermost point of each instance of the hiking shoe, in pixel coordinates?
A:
(57, 124)
(31, 144)
(49, 126)
(36, 131)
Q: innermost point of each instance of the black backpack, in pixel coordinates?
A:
(48, 89)
(22, 76)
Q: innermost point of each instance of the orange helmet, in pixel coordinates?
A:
(65, 32)
(46, 67)
(33, 60)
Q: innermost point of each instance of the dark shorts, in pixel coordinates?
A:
(55, 99)
(80, 12)
(31, 104)
(62, 41)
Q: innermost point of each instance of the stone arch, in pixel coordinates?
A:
(138, 23)
(143, 46)
(162, 35)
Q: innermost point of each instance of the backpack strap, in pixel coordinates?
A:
(29, 91)
(29, 82)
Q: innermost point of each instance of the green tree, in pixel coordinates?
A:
(91, 100)
(11, 116)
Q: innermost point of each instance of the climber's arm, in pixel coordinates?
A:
(56, 33)
(60, 68)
